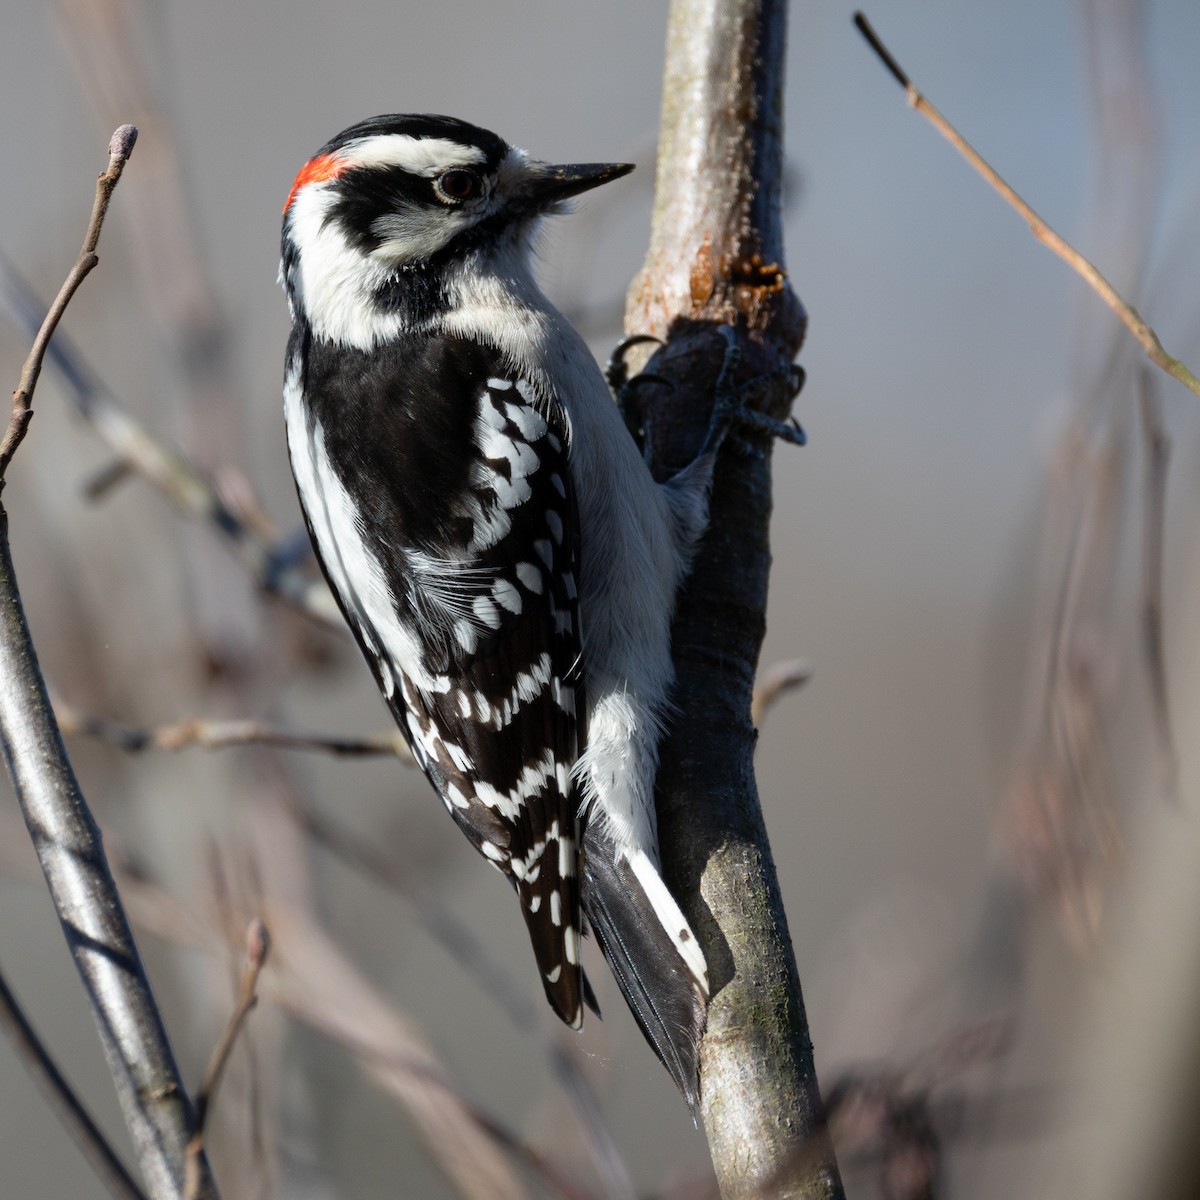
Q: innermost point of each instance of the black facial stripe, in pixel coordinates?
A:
(367, 193)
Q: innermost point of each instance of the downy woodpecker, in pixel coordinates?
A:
(494, 538)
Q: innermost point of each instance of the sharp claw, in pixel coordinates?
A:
(615, 371)
(789, 431)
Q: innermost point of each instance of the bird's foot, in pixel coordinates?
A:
(627, 392)
(731, 402)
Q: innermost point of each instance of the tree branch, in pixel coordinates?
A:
(120, 147)
(153, 1100)
(716, 259)
(1052, 240)
(211, 734)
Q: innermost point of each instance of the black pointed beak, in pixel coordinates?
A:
(563, 182)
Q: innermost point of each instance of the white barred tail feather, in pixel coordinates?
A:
(653, 955)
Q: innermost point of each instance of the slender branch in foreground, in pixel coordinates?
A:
(219, 735)
(258, 946)
(714, 274)
(65, 836)
(62, 1098)
(119, 148)
(1125, 312)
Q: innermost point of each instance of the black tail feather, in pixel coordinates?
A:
(667, 1001)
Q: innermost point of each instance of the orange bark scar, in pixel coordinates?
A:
(701, 281)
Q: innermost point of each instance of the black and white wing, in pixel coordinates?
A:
(437, 491)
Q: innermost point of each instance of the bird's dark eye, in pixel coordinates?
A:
(457, 186)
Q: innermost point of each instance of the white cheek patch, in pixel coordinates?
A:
(411, 233)
(335, 281)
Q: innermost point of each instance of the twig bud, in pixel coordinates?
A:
(258, 943)
(121, 143)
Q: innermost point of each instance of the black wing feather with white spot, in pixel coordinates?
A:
(458, 476)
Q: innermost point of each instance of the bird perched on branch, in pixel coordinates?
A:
(494, 538)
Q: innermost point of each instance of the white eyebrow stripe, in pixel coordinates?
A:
(417, 155)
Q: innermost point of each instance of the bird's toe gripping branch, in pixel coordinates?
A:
(630, 393)
(732, 401)
(616, 370)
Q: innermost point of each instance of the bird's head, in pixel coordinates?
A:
(399, 196)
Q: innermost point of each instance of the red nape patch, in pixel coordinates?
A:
(316, 170)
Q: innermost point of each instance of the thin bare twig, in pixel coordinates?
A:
(258, 947)
(1125, 312)
(1158, 454)
(153, 1099)
(62, 1098)
(220, 735)
(119, 148)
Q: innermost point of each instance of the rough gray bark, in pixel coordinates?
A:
(716, 259)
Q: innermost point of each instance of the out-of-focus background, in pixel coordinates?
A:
(991, 867)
